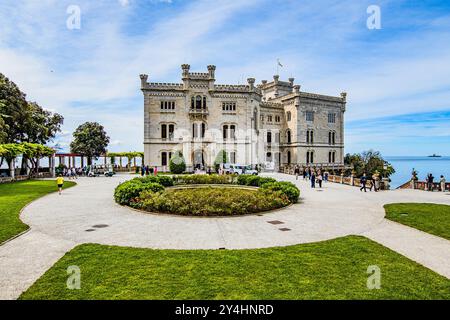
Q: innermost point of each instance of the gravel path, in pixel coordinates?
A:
(88, 214)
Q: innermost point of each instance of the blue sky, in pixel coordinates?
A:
(397, 78)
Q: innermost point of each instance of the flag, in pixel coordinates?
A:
(279, 63)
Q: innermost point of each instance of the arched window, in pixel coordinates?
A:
(194, 130)
(171, 131)
(232, 157)
(332, 156)
(269, 137)
(255, 119)
(309, 157)
(163, 131)
(288, 136)
(288, 116)
(269, 157)
(192, 102)
(225, 132)
(203, 129)
(233, 132)
(333, 138)
(309, 136)
(204, 102)
(198, 102)
(288, 157)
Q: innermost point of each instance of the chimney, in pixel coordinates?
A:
(344, 96)
(291, 81)
(211, 71)
(264, 82)
(144, 78)
(251, 83)
(296, 89)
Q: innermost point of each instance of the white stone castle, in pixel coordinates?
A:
(272, 124)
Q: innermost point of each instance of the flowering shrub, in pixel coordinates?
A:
(212, 201)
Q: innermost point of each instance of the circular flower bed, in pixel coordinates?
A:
(203, 195)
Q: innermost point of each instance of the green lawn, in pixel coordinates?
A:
(14, 196)
(431, 218)
(334, 269)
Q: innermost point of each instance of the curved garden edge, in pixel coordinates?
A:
(214, 196)
(180, 216)
(22, 209)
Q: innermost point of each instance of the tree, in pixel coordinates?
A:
(177, 164)
(369, 162)
(90, 140)
(13, 107)
(22, 121)
(220, 159)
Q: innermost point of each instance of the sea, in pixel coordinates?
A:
(404, 165)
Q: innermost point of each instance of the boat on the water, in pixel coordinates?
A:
(435, 156)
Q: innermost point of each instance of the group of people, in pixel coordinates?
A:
(430, 182)
(374, 182)
(312, 175)
(147, 170)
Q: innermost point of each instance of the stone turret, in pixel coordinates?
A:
(276, 78)
(296, 89)
(251, 83)
(185, 68)
(291, 81)
(212, 71)
(144, 78)
(344, 96)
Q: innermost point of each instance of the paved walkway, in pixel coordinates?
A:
(88, 214)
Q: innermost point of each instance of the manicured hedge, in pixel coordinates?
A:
(127, 192)
(204, 179)
(252, 180)
(149, 193)
(287, 188)
(212, 201)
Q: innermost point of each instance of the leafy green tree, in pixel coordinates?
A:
(13, 107)
(369, 162)
(90, 140)
(220, 159)
(177, 164)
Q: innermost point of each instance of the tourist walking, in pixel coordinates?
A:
(156, 171)
(304, 174)
(60, 183)
(363, 183)
(142, 171)
(319, 179)
(430, 181)
(147, 170)
(376, 181)
(313, 179)
(296, 171)
(442, 181)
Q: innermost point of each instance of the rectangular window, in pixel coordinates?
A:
(229, 106)
(164, 158)
(269, 118)
(309, 116)
(167, 105)
(163, 131)
(331, 117)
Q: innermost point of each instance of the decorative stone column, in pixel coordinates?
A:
(342, 178)
(352, 178)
